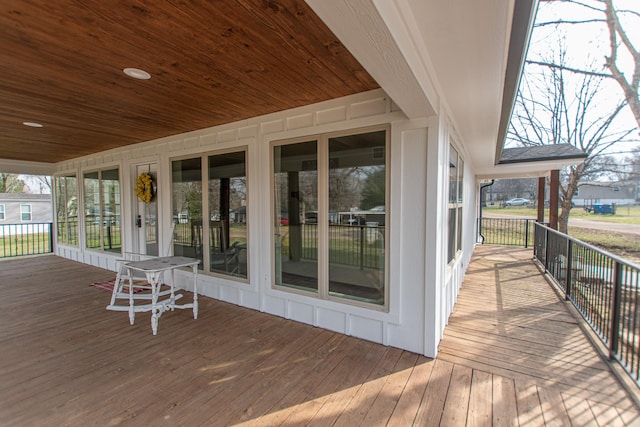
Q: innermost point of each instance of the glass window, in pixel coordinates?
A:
(66, 210)
(357, 216)
(456, 175)
(2, 213)
(227, 190)
(102, 210)
(329, 229)
(25, 212)
(460, 201)
(296, 215)
(186, 202)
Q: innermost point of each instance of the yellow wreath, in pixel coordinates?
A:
(144, 189)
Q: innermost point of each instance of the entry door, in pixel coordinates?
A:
(146, 215)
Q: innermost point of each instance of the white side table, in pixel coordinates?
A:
(154, 270)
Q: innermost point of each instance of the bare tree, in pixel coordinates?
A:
(552, 108)
(622, 50)
(11, 183)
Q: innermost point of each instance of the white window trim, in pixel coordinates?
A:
(66, 198)
(22, 213)
(81, 185)
(459, 203)
(3, 215)
(322, 140)
(204, 166)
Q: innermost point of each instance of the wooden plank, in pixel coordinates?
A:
(363, 399)
(613, 397)
(387, 399)
(294, 398)
(528, 403)
(629, 415)
(553, 410)
(435, 395)
(456, 407)
(340, 401)
(324, 390)
(579, 411)
(480, 400)
(535, 365)
(407, 407)
(580, 352)
(606, 415)
(504, 407)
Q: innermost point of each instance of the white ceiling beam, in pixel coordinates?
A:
(359, 26)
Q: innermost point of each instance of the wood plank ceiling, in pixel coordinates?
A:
(212, 62)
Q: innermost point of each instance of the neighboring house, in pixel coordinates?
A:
(19, 208)
(605, 193)
(284, 123)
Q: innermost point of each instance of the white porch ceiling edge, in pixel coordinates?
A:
(26, 168)
(361, 28)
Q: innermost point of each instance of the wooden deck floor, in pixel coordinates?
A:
(512, 355)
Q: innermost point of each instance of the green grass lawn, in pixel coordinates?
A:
(623, 215)
(25, 244)
(625, 245)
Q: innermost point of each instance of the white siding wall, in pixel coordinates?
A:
(422, 287)
(40, 211)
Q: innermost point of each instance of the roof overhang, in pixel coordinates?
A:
(461, 59)
(535, 161)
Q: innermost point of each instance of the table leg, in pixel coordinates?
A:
(195, 291)
(156, 310)
(132, 313)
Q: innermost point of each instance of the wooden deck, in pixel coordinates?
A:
(512, 355)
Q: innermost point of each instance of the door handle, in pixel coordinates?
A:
(139, 221)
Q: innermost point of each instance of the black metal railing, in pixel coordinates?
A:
(506, 231)
(354, 245)
(111, 233)
(67, 231)
(25, 239)
(603, 287)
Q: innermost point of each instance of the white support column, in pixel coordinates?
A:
(435, 243)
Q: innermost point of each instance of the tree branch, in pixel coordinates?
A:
(570, 69)
(562, 21)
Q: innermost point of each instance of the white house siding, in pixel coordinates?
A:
(606, 193)
(40, 207)
(422, 287)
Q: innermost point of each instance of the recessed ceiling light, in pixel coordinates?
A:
(136, 73)
(33, 124)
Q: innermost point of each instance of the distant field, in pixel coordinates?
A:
(626, 246)
(623, 215)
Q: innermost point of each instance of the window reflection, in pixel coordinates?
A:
(296, 215)
(357, 217)
(66, 210)
(102, 210)
(228, 214)
(186, 201)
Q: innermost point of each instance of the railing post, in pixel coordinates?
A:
(568, 275)
(51, 237)
(615, 309)
(546, 250)
(109, 235)
(362, 247)
(526, 234)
